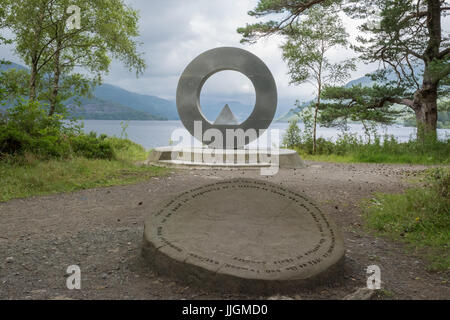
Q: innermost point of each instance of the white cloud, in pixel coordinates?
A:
(174, 32)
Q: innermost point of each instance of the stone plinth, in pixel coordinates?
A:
(244, 235)
(223, 158)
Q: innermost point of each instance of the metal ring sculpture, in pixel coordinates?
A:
(226, 58)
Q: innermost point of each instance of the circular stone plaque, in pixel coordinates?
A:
(244, 235)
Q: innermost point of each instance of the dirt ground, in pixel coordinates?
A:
(101, 231)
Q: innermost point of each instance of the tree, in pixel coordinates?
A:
(358, 103)
(107, 30)
(292, 137)
(305, 51)
(402, 35)
(13, 85)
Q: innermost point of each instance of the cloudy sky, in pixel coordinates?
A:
(173, 32)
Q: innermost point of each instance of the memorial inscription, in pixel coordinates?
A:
(246, 228)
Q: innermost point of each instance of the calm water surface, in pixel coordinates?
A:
(151, 134)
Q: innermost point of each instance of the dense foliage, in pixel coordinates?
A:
(27, 129)
(370, 148)
(53, 52)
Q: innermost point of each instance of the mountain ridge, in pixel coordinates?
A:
(111, 102)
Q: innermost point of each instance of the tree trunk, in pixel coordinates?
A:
(425, 99)
(366, 131)
(315, 127)
(33, 79)
(35, 51)
(319, 92)
(425, 102)
(55, 89)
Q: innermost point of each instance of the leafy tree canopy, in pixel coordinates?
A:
(66, 61)
(404, 36)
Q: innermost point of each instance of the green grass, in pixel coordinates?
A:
(419, 217)
(126, 150)
(375, 158)
(28, 175)
(351, 148)
(388, 152)
(327, 157)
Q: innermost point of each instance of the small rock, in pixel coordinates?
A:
(278, 297)
(9, 259)
(61, 298)
(104, 276)
(40, 291)
(361, 294)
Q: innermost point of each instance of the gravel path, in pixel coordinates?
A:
(101, 231)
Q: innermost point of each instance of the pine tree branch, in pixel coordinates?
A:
(442, 54)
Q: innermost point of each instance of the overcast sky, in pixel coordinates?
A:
(174, 32)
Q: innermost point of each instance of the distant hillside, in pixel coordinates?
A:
(293, 113)
(364, 81)
(115, 103)
(158, 107)
(97, 109)
(11, 65)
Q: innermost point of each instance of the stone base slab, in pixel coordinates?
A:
(222, 158)
(244, 236)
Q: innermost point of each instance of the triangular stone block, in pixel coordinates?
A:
(226, 116)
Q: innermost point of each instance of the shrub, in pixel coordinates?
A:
(292, 137)
(91, 147)
(125, 149)
(27, 128)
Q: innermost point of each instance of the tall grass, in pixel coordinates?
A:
(420, 217)
(353, 148)
(28, 175)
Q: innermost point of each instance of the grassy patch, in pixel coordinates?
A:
(28, 175)
(327, 157)
(42, 154)
(419, 217)
(351, 148)
(359, 157)
(127, 150)
(55, 176)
